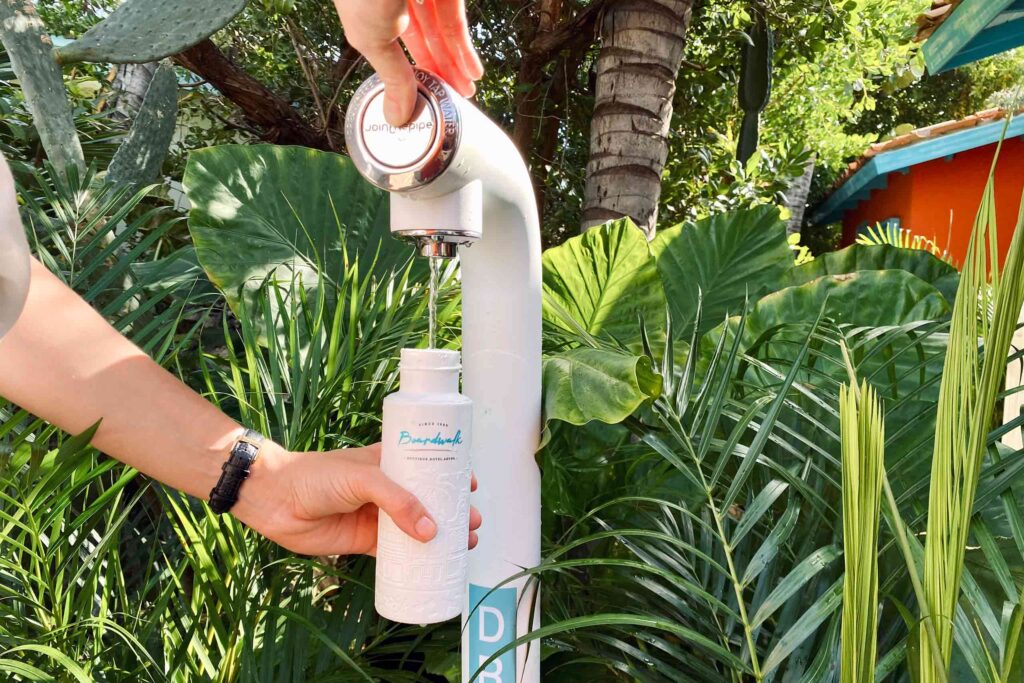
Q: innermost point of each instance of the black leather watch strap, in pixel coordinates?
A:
(224, 495)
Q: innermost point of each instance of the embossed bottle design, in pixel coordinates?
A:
(426, 436)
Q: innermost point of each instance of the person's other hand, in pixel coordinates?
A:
(327, 503)
(434, 31)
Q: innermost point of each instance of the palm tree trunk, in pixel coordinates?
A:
(131, 83)
(796, 197)
(642, 45)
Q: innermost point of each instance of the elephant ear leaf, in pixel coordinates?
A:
(585, 384)
(602, 283)
(267, 213)
(922, 264)
(725, 260)
(851, 299)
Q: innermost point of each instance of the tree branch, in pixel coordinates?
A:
(279, 122)
(529, 98)
(568, 34)
(307, 71)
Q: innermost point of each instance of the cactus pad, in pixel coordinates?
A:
(140, 31)
(41, 80)
(755, 82)
(139, 158)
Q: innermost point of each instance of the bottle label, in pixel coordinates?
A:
(492, 625)
(426, 451)
(431, 435)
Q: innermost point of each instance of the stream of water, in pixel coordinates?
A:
(435, 270)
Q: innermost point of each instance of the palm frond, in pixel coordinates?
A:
(863, 438)
(971, 383)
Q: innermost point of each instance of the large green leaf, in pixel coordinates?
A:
(924, 265)
(727, 259)
(866, 298)
(585, 384)
(606, 281)
(265, 211)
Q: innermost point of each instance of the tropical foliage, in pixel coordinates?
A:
(693, 470)
(108, 577)
(754, 468)
(693, 569)
(844, 74)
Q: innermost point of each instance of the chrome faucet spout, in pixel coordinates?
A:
(432, 243)
(434, 248)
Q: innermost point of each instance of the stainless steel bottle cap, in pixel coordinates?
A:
(403, 158)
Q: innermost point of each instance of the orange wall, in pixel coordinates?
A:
(924, 197)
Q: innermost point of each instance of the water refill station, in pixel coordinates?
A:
(459, 187)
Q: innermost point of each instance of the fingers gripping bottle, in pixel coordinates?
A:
(425, 449)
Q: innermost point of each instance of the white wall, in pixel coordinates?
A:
(1014, 378)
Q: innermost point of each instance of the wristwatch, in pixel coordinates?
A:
(224, 495)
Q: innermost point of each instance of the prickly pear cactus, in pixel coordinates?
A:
(140, 156)
(141, 31)
(755, 83)
(31, 54)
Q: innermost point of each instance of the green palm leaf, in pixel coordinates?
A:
(863, 435)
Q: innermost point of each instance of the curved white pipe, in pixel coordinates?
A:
(485, 190)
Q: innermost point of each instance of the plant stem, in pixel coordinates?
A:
(736, 584)
(900, 532)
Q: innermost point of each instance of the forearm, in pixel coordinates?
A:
(64, 363)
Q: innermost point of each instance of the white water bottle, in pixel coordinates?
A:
(425, 449)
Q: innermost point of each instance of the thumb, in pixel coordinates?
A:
(404, 509)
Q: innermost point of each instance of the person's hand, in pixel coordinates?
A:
(435, 33)
(327, 503)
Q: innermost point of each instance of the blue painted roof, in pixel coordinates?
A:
(874, 174)
(976, 29)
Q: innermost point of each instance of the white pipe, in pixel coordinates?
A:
(484, 190)
(501, 341)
